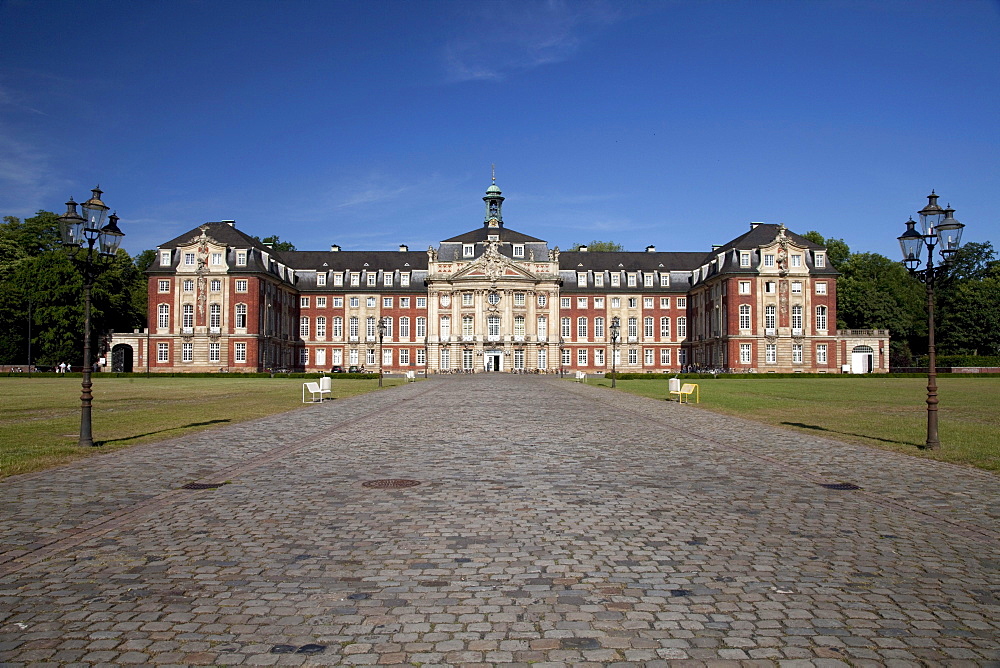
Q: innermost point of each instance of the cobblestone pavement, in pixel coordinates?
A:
(554, 523)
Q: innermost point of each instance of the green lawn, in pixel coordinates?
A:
(888, 413)
(40, 417)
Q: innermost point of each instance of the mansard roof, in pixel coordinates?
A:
(223, 232)
(355, 260)
(629, 261)
(763, 234)
(482, 234)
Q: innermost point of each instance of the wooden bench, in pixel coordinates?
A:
(687, 389)
(316, 392)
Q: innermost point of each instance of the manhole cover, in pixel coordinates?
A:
(840, 486)
(204, 485)
(391, 483)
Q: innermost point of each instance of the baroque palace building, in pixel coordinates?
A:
(493, 299)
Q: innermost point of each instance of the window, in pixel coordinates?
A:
(821, 317)
(404, 302)
(386, 302)
(770, 316)
(320, 327)
(240, 352)
(404, 279)
(518, 299)
(633, 302)
(352, 327)
(664, 302)
(337, 356)
(664, 280)
(581, 328)
(387, 357)
(647, 356)
(215, 316)
(355, 278)
(493, 325)
(543, 358)
(518, 358)
(404, 327)
(421, 327)
(519, 325)
(163, 316)
(241, 285)
(744, 287)
(421, 356)
(796, 287)
(370, 327)
(372, 279)
(445, 359)
(370, 357)
(188, 259)
(565, 302)
(633, 328)
(820, 259)
(821, 354)
(518, 250)
(165, 258)
(163, 286)
(796, 260)
(599, 356)
(647, 327)
(467, 323)
(338, 280)
(797, 317)
(352, 357)
(467, 358)
(581, 279)
(215, 285)
(338, 302)
(321, 302)
(162, 352)
(354, 302)
(542, 300)
(770, 287)
(664, 328)
(370, 302)
(566, 356)
(566, 330)
(581, 302)
(599, 328)
(664, 356)
(304, 302)
(598, 302)
(744, 316)
(466, 299)
(616, 279)
(187, 316)
(445, 326)
(338, 327)
(682, 328)
(404, 356)
(241, 261)
(746, 353)
(770, 353)
(682, 302)
(633, 356)
(241, 316)
(647, 280)
(543, 327)
(769, 260)
(188, 285)
(304, 327)
(821, 288)
(187, 352)
(581, 357)
(744, 259)
(682, 357)
(214, 352)
(797, 353)
(304, 357)
(647, 302)
(468, 250)
(321, 279)
(616, 302)
(387, 279)
(631, 278)
(599, 280)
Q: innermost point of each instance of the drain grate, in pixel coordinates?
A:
(840, 486)
(204, 485)
(391, 483)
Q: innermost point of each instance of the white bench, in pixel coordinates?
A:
(581, 377)
(315, 390)
(411, 376)
(686, 390)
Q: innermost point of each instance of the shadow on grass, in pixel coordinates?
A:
(816, 427)
(161, 431)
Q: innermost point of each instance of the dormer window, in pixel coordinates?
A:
(404, 280)
(372, 279)
(616, 279)
(320, 279)
(241, 258)
(647, 280)
(664, 280)
(493, 237)
(518, 250)
(744, 259)
(769, 260)
(165, 258)
(468, 250)
(820, 259)
(796, 260)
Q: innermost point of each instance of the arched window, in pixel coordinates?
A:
(744, 316)
(518, 325)
(241, 316)
(821, 317)
(214, 316)
(187, 316)
(770, 316)
(163, 316)
(797, 317)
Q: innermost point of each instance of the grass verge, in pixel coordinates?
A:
(40, 421)
(888, 413)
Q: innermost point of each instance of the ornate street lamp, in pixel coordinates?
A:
(80, 235)
(616, 331)
(938, 226)
(381, 335)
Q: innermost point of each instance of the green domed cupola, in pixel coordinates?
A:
(494, 205)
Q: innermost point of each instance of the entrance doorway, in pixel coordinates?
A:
(862, 359)
(121, 358)
(493, 360)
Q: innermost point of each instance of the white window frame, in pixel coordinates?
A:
(240, 352)
(162, 352)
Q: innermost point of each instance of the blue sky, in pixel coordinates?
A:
(370, 124)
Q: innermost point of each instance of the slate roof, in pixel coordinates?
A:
(481, 234)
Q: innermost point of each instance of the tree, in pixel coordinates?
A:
(276, 243)
(837, 250)
(875, 292)
(601, 247)
(967, 302)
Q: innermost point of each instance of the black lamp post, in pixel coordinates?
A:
(80, 234)
(381, 335)
(938, 227)
(562, 347)
(616, 331)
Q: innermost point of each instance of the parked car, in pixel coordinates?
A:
(352, 369)
(337, 369)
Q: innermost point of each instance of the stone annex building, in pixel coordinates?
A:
(493, 299)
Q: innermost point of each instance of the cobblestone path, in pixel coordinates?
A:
(554, 523)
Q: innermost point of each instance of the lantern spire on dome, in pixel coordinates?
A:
(494, 203)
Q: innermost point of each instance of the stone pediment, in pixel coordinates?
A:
(493, 267)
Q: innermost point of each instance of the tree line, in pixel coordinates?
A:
(41, 296)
